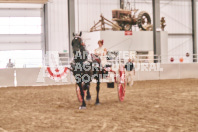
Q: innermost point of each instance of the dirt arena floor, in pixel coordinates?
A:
(149, 106)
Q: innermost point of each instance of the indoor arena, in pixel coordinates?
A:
(98, 65)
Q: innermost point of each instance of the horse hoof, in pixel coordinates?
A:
(97, 103)
(88, 98)
(82, 107)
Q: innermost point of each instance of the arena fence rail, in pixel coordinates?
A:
(10, 77)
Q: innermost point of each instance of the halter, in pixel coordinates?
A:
(75, 37)
(79, 37)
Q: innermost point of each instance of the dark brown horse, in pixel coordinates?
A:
(84, 71)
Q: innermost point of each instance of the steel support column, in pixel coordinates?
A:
(194, 29)
(156, 26)
(121, 4)
(45, 46)
(71, 24)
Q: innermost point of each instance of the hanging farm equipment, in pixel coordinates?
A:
(125, 19)
(101, 25)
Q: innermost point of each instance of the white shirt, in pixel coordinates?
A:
(100, 51)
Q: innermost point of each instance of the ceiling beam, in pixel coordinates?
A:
(24, 1)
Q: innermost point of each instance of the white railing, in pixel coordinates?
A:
(30, 76)
(38, 62)
(160, 59)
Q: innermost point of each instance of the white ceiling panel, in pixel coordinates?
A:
(15, 5)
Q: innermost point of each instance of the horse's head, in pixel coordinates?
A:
(77, 42)
(79, 51)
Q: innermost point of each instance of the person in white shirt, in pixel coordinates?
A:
(9, 64)
(101, 52)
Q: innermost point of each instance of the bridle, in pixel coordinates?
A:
(79, 38)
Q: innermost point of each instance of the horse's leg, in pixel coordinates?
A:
(83, 106)
(86, 87)
(88, 97)
(98, 89)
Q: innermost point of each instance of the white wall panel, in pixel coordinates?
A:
(142, 5)
(170, 71)
(89, 11)
(20, 38)
(178, 46)
(83, 15)
(91, 40)
(6, 77)
(188, 71)
(117, 41)
(58, 25)
(20, 46)
(139, 4)
(178, 15)
(11, 40)
(148, 75)
(23, 78)
(76, 15)
(139, 41)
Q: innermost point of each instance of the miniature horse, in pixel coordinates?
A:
(83, 70)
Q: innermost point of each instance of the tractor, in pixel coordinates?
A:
(125, 19)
